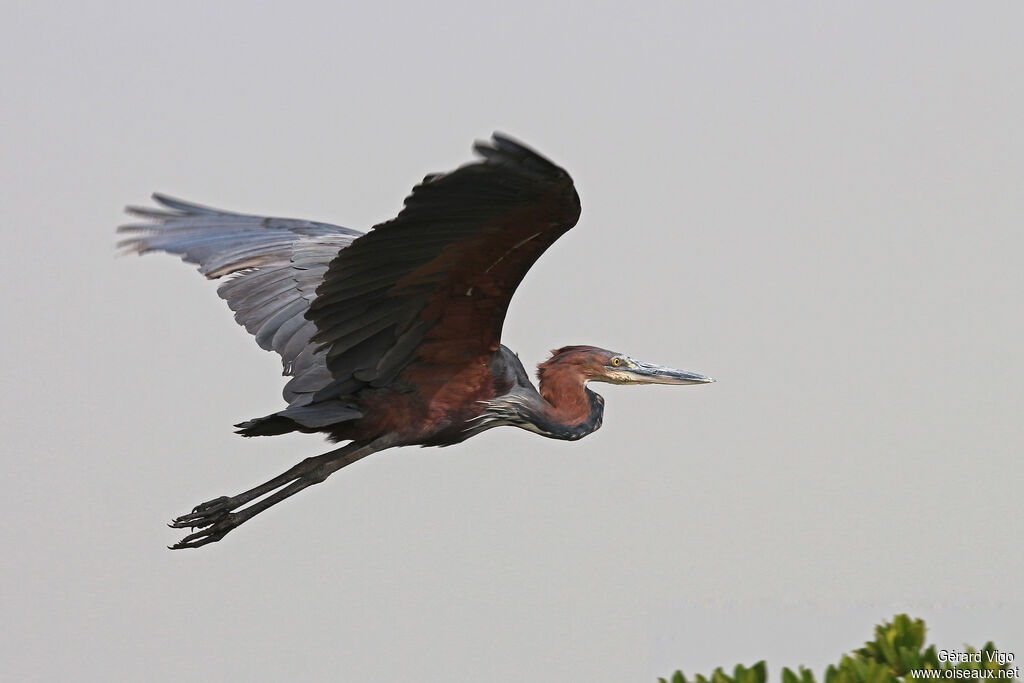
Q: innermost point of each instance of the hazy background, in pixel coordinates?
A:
(819, 204)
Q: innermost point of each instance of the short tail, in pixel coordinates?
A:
(314, 417)
(271, 425)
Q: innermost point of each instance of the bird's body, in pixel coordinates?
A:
(392, 338)
(438, 412)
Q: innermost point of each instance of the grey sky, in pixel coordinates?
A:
(818, 204)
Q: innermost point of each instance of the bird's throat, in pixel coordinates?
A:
(568, 400)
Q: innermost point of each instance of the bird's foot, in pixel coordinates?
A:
(213, 519)
(204, 514)
(209, 534)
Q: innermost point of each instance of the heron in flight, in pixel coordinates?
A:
(393, 337)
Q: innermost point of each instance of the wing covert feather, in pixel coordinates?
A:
(434, 283)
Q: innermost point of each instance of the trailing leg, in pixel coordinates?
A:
(217, 517)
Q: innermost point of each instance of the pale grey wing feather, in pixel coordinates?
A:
(277, 264)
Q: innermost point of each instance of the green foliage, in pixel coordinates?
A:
(897, 649)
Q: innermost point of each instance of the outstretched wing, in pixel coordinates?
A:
(277, 265)
(433, 284)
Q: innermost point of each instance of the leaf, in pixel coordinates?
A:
(878, 672)
(859, 668)
(896, 650)
(887, 643)
(909, 659)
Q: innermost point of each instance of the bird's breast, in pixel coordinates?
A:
(434, 406)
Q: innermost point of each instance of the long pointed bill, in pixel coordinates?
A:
(638, 372)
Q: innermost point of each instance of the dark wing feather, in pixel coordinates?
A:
(277, 265)
(434, 283)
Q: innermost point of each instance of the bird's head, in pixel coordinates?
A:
(592, 364)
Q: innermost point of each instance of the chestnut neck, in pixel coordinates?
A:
(563, 388)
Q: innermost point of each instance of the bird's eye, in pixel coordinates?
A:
(616, 362)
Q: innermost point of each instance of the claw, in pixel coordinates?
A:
(211, 531)
(204, 514)
(213, 519)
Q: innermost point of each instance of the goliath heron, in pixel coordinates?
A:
(392, 338)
